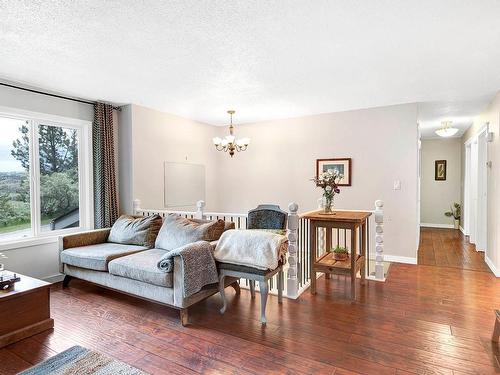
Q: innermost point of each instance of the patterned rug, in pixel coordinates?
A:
(81, 361)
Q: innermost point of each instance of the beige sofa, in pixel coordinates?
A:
(130, 269)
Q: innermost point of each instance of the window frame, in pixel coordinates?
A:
(85, 177)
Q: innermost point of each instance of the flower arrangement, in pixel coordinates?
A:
(329, 181)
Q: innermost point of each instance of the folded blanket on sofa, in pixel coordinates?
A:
(197, 262)
(251, 248)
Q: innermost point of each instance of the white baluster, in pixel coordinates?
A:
(292, 282)
(200, 206)
(379, 241)
(136, 206)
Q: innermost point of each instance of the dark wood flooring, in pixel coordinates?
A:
(449, 248)
(422, 320)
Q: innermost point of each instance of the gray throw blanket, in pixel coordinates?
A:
(198, 265)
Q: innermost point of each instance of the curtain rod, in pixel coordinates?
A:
(53, 95)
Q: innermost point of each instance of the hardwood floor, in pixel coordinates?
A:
(449, 248)
(422, 320)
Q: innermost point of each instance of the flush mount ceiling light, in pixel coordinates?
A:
(446, 130)
(229, 143)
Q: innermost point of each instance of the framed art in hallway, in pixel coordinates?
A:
(440, 170)
(342, 165)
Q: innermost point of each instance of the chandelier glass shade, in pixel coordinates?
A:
(446, 130)
(229, 143)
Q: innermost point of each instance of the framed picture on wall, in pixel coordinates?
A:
(343, 165)
(440, 170)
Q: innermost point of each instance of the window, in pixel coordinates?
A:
(44, 178)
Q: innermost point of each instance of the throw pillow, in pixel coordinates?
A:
(135, 230)
(177, 231)
(227, 225)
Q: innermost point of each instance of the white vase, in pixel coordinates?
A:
(457, 224)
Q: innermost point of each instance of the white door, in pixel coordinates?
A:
(473, 193)
(482, 188)
(466, 207)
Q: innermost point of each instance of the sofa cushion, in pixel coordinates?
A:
(96, 257)
(135, 230)
(142, 266)
(177, 231)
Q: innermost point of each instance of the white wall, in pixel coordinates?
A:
(39, 260)
(280, 161)
(437, 196)
(491, 115)
(28, 101)
(148, 138)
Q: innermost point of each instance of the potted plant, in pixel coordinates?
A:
(456, 211)
(328, 181)
(340, 253)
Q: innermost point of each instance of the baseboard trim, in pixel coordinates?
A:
(54, 278)
(432, 225)
(490, 264)
(399, 259)
(462, 230)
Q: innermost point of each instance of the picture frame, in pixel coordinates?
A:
(343, 165)
(440, 170)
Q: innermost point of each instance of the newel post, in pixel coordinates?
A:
(292, 282)
(379, 240)
(136, 206)
(200, 206)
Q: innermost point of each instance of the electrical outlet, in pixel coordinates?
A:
(397, 185)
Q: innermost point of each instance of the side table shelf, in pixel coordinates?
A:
(327, 264)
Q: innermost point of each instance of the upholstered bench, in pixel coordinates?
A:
(266, 217)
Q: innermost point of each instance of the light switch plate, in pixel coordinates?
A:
(397, 185)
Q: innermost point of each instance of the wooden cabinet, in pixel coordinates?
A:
(24, 310)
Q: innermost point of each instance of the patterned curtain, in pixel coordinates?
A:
(105, 197)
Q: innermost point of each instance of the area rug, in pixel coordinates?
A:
(81, 361)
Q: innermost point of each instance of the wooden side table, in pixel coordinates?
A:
(356, 223)
(24, 310)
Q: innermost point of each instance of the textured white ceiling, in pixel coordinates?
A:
(266, 59)
(460, 113)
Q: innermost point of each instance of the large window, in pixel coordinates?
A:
(43, 177)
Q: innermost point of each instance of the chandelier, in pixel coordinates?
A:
(446, 130)
(229, 143)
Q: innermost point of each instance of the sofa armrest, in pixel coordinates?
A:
(178, 281)
(91, 237)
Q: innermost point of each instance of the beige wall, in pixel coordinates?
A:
(148, 138)
(491, 115)
(437, 196)
(280, 161)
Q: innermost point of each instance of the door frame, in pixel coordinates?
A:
(475, 191)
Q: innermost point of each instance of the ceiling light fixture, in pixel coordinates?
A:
(446, 130)
(229, 142)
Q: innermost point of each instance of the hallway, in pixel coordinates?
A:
(449, 248)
